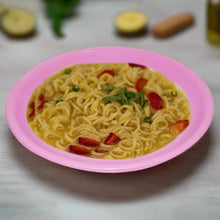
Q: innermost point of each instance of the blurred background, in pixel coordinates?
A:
(184, 188)
(92, 25)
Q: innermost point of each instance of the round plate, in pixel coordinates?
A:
(200, 99)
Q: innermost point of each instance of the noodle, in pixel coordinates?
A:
(61, 115)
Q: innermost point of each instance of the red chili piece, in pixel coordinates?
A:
(155, 100)
(179, 126)
(41, 105)
(110, 72)
(41, 97)
(88, 142)
(112, 139)
(79, 150)
(100, 151)
(137, 65)
(32, 113)
(140, 83)
(32, 105)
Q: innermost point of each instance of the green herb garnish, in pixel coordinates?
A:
(123, 96)
(111, 98)
(174, 93)
(57, 11)
(124, 100)
(141, 99)
(131, 96)
(75, 88)
(147, 119)
(59, 100)
(67, 71)
(109, 88)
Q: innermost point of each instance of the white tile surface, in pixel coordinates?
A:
(186, 187)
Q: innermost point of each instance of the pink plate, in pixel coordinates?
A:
(200, 98)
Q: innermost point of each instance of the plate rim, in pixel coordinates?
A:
(134, 164)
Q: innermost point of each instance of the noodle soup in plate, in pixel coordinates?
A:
(108, 110)
(100, 111)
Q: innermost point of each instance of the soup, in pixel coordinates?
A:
(108, 110)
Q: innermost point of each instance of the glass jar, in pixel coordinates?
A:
(213, 21)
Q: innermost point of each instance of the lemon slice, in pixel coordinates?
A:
(18, 22)
(2, 9)
(130, 22)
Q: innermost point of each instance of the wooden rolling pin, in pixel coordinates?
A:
(173, 25)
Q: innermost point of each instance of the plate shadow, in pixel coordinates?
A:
(117, 187)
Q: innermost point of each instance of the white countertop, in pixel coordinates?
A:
(187, 187)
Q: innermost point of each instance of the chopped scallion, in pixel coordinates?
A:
(67, 71)
(174, 93)
(75, 88)
(59, 100)
(147, 119)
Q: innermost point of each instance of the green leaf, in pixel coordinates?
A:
(131, 96)
(145, 102)
(109, 87)
(57, 11)
(112, 98)
(141, 99)
(124, 100)
(125, 97)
